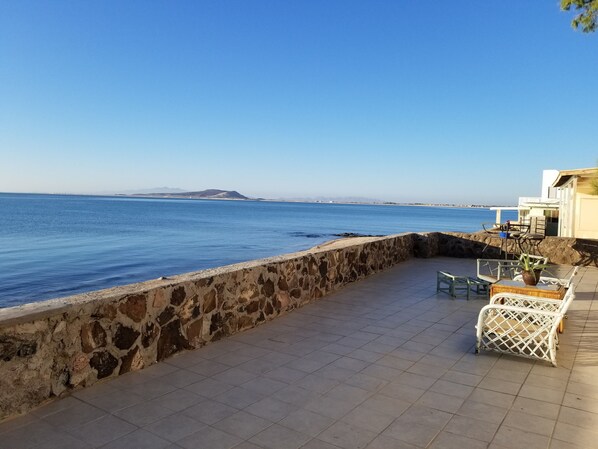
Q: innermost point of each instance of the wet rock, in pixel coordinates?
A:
(104, 363)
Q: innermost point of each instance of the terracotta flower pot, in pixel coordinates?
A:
(531, 277)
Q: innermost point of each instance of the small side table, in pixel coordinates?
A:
(540, 291)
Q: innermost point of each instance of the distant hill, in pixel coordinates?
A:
(156, 189)
(204, 194)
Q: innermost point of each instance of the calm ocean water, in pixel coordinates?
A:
(54, 245)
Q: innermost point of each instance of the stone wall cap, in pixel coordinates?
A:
(30, 312)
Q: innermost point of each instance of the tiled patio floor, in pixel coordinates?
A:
(385, 363)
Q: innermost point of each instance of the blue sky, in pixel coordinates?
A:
(458, 101)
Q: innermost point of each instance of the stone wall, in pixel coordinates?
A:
(52, 347)
(49, 348)
(559, 250)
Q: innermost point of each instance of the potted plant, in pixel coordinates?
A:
(531, 268)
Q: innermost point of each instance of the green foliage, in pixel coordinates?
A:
(528, 262)
(587, 19)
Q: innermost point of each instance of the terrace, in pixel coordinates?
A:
(383, 363)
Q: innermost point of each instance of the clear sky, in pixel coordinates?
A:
(449, 101)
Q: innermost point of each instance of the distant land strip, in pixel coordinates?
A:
(218, 194)
(209, 194)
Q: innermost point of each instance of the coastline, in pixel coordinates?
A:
(266, 200)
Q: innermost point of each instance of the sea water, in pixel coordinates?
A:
(58, 245)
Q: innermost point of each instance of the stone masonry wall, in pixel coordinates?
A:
(52, 347)
(49, 348)
(559, 250)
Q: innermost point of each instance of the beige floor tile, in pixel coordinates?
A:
(534, 407)
(581, 437)
(446, 440)
(366, 418)
(144, 413)
(440, 401)
(419, 435)
(492, 397)
(140, 438)
(209, 438)
(529, 423)
(103, 430)
(482, 411)
(472, 428)
(385, 442)
(306, 422)
(385, 404)
(271, 409)
(174, 427)
(519, 439)
(209, 412)
(451, 388)
(579, 418)
(280, 437)
(347, 436)
(243, 425)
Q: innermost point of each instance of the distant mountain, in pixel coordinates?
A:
(204, 194)
(143, 191)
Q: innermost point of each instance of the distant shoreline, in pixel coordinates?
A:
(272, 200)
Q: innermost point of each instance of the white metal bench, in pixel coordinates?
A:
(522, 325)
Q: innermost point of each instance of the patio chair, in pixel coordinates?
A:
(493, 270)
(522, 325)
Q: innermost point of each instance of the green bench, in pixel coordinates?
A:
(451, 284)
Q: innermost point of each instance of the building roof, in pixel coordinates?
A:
(566, 175)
